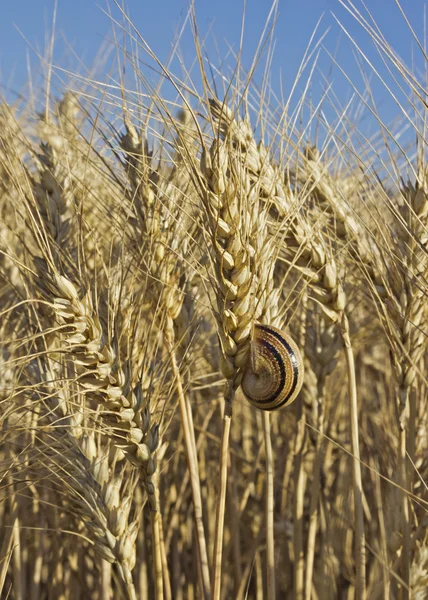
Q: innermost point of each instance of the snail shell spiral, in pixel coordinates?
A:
(274, 373)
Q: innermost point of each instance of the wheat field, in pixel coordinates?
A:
(150, 236)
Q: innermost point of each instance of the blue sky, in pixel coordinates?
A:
(82, 28)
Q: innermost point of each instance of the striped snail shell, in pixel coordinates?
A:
(274, 372)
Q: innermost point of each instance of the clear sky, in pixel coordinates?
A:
(82, 28)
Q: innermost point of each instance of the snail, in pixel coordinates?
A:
(274, 373)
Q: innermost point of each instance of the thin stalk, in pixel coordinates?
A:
(300, 483)
(259, 577)
(405, 565)
(270, 539)
(157, 556)
(360, 543)
(407, 446)
(142, 576)
(221, 504)
(190, 444)
(17, 556)
(382, 530)
(165, 570)
(6, 550)
(235, 541)
(313, 519)
(315, 492)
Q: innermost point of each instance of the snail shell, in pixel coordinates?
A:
(274, 373)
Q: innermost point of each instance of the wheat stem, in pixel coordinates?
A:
(299, 495)
(313, 519)
(406, 553)
(360, 543)
(270, 538)
(221, 504)
(157, 556)
(191, 453)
